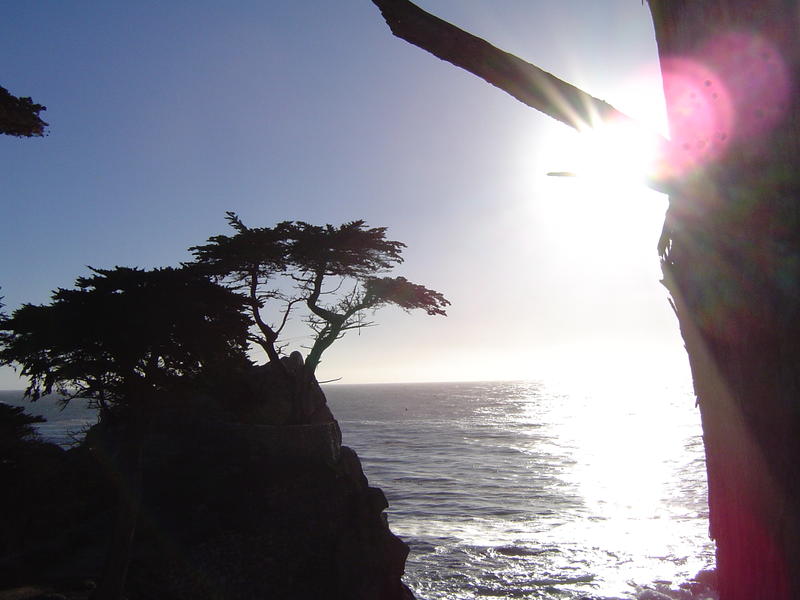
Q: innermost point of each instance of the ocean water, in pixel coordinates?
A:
(64, 425)
(524, 489)
(528, 490)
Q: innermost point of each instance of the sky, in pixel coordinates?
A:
(165, 115)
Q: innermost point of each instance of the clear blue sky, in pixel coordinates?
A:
(165, 115)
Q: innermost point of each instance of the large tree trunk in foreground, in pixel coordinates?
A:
(731, 258)
(731, 249)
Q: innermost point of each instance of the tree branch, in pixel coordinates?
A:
(359, 325)
(266, 330)
(289, 305)
(526, 82)
(270, 336)
(312, 300)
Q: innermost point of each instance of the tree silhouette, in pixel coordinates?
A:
(128, 340)
(16, 427)
(729, 247)
(19, 117)
(332, 271)
(248, 262)
(124, 336)
(350, 251)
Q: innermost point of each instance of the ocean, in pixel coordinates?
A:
(525, 489)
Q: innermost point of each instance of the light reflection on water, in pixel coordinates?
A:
(533, 491)
(639, 469)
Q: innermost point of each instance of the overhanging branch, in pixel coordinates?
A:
(526, 82)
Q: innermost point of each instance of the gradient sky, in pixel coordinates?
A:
(165, 115)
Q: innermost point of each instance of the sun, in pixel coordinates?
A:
(588, 191)
(615, 154)
(605, 155)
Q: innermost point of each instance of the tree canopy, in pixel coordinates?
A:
(124, 333)
(333, 271)
(16, 426)
(19, 117)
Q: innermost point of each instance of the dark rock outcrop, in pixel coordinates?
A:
(262, 512)
(230, 511)
(242, 395)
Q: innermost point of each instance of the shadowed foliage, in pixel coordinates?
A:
(16, 426)
(123, 335)
(128, 340)
(20, 116)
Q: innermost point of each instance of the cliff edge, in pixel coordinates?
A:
(230, 510)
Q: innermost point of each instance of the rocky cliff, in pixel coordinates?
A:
(230, 510)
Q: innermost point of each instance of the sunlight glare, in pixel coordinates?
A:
(628, 439)
(610, 155)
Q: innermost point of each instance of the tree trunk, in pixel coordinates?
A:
(731, 259)
(127, 475)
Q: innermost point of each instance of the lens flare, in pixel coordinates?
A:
(756, 77)
(700, 115)
(734, 93)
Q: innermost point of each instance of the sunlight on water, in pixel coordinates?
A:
(573, 489)
(623, 448)
(628, 446)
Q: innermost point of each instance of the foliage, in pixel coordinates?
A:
(310, 256)
(16, 426)
(349, 250)
(124, 334)
(251, 253)
(126, 339)
(379, 291)
(20, 116)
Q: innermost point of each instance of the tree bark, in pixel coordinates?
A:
(526, 82)
(730, 249)
(731, 242)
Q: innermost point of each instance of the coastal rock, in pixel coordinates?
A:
(263, 395)
(230, 510)
(258, 517)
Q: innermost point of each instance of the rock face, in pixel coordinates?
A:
(242, 395)
(262, 512)
(234, 511)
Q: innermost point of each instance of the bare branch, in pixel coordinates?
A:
(289, 305)
(312, 300)
(336, 289)
(266, 330)
(359, 325)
